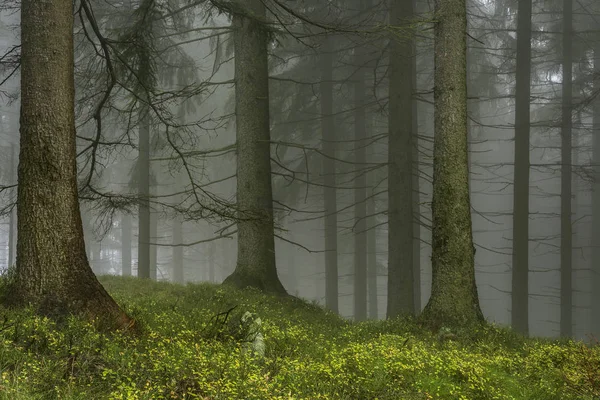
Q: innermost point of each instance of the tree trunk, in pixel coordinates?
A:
(256, 241)
(360, 182)
(372, 261)
(144, 193)
(566, 229)
(126, 231)
(53, 272)
(12, 217)
(595, 262)
(153, 248)
(454, 302)
(178, 276)
(520, 258)
(328, 171)
(400, 166)
(416, 194)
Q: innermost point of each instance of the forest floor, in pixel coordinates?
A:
(191, 347)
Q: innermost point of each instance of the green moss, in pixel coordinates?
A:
(310, 353)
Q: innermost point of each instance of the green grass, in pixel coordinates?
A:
(183, 353)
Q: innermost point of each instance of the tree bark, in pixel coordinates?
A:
(153, 248)
(401, 280)
(372, 261)
(178, 276)
(360, 182)
(416, 194)
(520, 258)
(256, 241)
(53, 272)
(454, 302)
(328, 170)
(595, 262)
(144, 193)
(126, 231)
(12, 217)
(566, 236)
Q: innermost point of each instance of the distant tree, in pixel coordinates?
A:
(520, 256)
(566, 228)
(52, 270)
(454, 301)
(255, 265)
(329, 165)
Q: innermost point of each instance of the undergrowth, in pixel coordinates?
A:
(191, 347)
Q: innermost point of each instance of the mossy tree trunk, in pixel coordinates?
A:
(144, 192)
(595, 262)
(520, 257)
(255, 265)
(52, 271)
(400, 298)
(454, 302)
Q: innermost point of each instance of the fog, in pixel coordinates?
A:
(192, 158)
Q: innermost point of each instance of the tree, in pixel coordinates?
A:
(400, 297)
(566, 237)
(256, 240)
(52, 270)
(520, 256)
(329, 165)
(454, 302)
(595, 261)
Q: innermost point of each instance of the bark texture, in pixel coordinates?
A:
(566, 229)
(53, 272)
(454, 302)
(256, 242)
(328, 170)
(12, 220)
(520, 258)
(595, 264)
(401, 282)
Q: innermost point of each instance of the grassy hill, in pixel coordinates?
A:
(191, 347)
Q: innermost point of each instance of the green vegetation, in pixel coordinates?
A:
(190, 347)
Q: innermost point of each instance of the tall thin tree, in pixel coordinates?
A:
(256, 240)
(400, 297)
(566, 229)
(328, 169)
(520, 256)
(454, 301)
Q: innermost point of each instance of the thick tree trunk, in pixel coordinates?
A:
(256, 241)
(360, 191)
(454, 302)
(144, 193)
(520, 258)
(126, 231)
(401, 280)
(566, 230)
(178, 251)
(53, 272)
(328, 170)
(595, 262)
